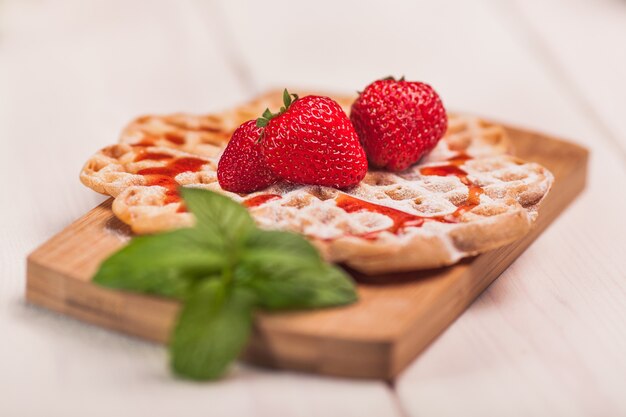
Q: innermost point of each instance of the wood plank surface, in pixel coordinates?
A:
(546, 339)
(72, 73)
(396, 317)
(583, 60)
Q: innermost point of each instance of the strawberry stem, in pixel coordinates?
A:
(268, 115)
(392, 78)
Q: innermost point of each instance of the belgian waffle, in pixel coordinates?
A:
(467, 196)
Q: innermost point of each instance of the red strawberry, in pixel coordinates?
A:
(242, 168)
(398, 122)
(311, 141)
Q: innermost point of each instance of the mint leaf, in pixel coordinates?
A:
(297, 284)
(285, 271)
(223, 223)
(213, 327)
(222, 268)
(163, 264)
(276, 246)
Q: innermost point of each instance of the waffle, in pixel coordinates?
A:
(467, 196)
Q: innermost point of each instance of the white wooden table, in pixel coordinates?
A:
(548, 338)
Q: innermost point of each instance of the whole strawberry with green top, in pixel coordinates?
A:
(311, 141)
(242, 167)
(398, 122)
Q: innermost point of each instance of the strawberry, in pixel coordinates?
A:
(242, 168)
(398, 122)
(311, 141)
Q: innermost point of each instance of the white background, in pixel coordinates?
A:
(548, 338)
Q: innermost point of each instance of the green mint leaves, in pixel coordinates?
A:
(268, 115)
(212, 329)
(222, 269)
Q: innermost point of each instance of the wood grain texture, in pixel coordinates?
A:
(592, 70)
(396, 318)
(546, 339)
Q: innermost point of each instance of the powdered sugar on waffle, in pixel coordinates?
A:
(313, 210)
(413, 220)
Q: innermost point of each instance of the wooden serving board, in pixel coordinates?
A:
(396, 318)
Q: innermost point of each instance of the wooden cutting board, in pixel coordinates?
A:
(397, 316)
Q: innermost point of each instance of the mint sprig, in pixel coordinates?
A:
(222, 269)
(213, 327)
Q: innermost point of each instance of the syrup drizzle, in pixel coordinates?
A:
(259, 199)
(172, 137)
(175, 138)
(402, 219)
(146, 141)
(164, 176)
(446, 171)
(153, 156)
(459, 158)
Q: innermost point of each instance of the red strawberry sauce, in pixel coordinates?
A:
(402, 219)
(164, 176)
(259, 199)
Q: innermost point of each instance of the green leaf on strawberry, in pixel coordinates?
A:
(268, 115)
(312, 141)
